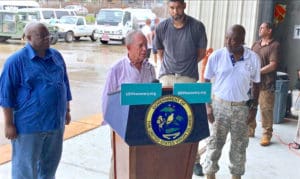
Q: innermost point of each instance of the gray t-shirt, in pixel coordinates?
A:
(180, 46)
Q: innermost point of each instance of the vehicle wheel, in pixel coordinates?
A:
(3, 39)
(54, 40)
(123, 41)
(69, 37)
(77, 38)
(93, 38)
(104, 42)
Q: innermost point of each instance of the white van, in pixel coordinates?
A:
(15, 5)
(115, 23)
(48, 15)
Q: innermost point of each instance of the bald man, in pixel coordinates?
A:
(35, 95)
(233, 67)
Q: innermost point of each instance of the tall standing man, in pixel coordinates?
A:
(233, 69)
(181, 43)
(35, 95)
(268, 50)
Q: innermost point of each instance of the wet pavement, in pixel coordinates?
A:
(87, 63)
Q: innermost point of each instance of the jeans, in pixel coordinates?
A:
(36, 156)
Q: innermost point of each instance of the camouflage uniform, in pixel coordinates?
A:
(228, 118)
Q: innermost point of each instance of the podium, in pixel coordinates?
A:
(136, 156)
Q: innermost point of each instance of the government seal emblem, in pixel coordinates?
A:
(169, 120)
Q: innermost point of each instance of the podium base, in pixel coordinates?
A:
(153, 161)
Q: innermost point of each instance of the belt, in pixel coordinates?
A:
(230, 103)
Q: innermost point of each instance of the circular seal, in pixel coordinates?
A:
(169, 120)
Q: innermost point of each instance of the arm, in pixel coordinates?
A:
(160, 53)
(254, 102)
(209, 109)
(9, 127)
(272, 66)
(68, 114)
(201, 54)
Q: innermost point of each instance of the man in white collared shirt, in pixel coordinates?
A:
(233, 69)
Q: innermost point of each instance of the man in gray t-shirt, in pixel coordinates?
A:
(181, 42)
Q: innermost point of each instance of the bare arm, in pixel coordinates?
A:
(272, 66)
(160, 53)
(253, 105)
(201, 54)
(9, 127)
(68, 115)
(209, 109)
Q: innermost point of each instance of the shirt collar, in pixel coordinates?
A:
(143, 63)
(32, 53)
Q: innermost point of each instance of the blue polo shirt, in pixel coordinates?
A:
(37, 89)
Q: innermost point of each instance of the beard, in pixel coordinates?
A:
(178, 17)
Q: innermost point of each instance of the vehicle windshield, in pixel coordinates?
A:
(68, 20)
(109, 17)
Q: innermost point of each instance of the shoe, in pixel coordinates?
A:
(265, 141)
(251, 132)
(236, 177)
(210, 176)
(198, 169)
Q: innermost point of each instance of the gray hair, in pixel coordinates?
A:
(30, 27)
(130, 36)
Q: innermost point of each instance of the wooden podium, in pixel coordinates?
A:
(136, 156)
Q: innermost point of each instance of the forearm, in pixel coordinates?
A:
(8, 116)
(201, 54)
(255, 94)
(269, 68)
(160, 54)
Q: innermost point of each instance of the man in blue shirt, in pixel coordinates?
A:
(35, 95)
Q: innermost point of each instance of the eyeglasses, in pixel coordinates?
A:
(43, 36)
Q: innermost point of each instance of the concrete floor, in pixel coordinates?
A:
(88, 156)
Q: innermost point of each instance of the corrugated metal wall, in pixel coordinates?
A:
(218, 15)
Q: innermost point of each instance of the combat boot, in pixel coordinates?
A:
(265, 140)
(236, 177)
(210, 176)
(251, 132)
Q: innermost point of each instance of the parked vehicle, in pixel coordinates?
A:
(79, 9)
(48, 15)
(75, 27)
(15, 5)
(12, 25)
(115, 23)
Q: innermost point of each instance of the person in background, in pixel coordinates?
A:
(202, 144)
(154, 49)
(181, 43)
(132, 68)
(204, 62)
(35, 95)
(146, 29)
(296, 143)
(233, 68)
(268, 50)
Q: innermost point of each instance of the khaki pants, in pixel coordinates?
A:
(266, 105)
(228, 119)
(170, 80)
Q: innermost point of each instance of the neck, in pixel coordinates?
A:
(266, 40)
(238, 54)
(179, 23)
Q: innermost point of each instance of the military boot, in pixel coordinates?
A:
(236, 177)
(210, 176)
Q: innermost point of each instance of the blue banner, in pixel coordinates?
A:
(193, 92)
(140, 93)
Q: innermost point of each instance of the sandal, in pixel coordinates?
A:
(294, 145)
